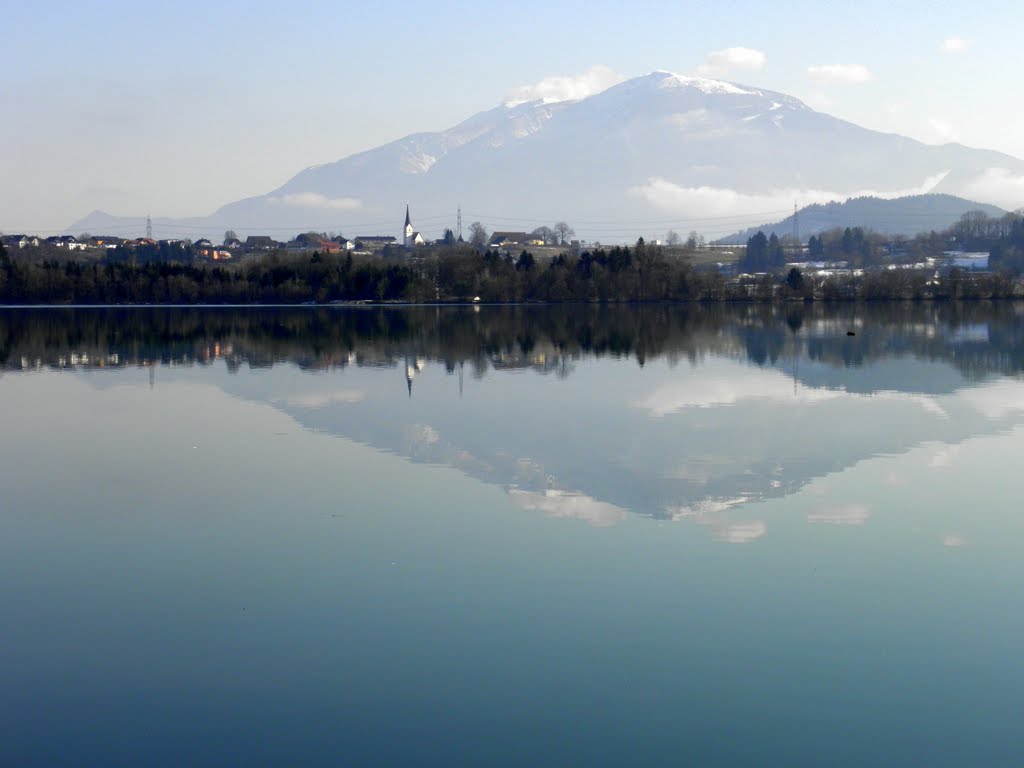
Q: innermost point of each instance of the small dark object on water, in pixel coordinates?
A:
(850, 333)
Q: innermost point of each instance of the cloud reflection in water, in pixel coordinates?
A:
(566, 504)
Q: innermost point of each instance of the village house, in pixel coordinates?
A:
(106, 241)
(308, 242)
(375, 243)
(211, 252)
(514, 239)
(328, 246)
(20, 241)
(69, 242)
(260, 243)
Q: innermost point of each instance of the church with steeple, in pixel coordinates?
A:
(409, 236)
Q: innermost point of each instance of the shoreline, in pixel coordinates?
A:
(439, 304)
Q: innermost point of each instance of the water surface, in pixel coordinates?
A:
(506, 536)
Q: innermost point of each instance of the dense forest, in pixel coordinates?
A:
(620, 274)
(450, 273)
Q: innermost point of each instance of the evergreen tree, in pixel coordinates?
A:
(756, 257)
(816, 247)
(776, 255)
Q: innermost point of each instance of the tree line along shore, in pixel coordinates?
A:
(841, 265)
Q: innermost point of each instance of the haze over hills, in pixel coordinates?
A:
(901, 216)
(656, 152)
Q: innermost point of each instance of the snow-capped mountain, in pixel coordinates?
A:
(655, 152)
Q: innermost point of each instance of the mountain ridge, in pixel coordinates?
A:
(651, 153)
(906, 216)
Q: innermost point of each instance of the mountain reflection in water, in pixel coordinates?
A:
(733, 405)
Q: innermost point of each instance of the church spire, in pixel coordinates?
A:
(408, 221)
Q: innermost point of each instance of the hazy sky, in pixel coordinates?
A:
(176, 108)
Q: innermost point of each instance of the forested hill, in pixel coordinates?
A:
(900, 216)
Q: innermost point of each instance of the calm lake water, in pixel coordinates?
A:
(499, 536)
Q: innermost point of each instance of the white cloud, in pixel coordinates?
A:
(316, 200)
(728, 389)
(323, 399)
(997, 186)
(712, 514)
(566, 87)
(712, 202)
(843, 514)
(740, 533)
(997, 400)
(840, 73)
(722, 62)
(944, 456)
(943, 130)
(740, 382)
(577, 506)
(955, 45)
(951, 540)
(925, 402)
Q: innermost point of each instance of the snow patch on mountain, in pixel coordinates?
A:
(529, 124)
(702, 84)
(701, 124)
(419, 162)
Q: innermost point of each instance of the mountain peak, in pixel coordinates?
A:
(663, 147)
(666, 79)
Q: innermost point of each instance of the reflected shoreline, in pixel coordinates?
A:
(977, 338)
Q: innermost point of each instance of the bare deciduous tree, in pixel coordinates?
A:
(547, 234)
(477, 235)
(564, 232)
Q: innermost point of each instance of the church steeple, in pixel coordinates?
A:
(408, 234)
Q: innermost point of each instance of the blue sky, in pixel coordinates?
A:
(177, 108)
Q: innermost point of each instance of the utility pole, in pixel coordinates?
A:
(796, 228)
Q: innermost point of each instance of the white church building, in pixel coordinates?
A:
(409, 236)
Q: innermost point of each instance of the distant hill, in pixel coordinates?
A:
(899, 216)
